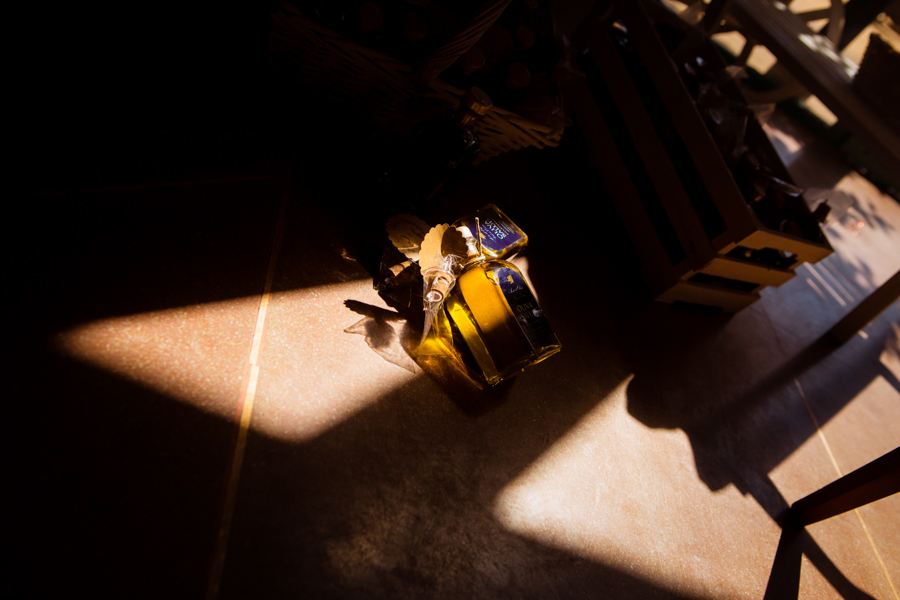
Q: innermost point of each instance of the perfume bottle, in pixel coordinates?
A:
(500, 237)
(498, 316)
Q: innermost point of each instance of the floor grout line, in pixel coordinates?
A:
(834, 463)
(841, 474)
(245, 410)
(819, 431)
(877, 554)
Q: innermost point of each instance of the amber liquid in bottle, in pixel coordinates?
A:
(499, 318)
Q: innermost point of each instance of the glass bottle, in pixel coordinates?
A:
(498, 316)
(500, 237)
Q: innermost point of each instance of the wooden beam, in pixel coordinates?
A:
(874, 481)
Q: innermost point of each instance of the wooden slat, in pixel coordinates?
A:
(744, 229)
(804, 250)
(816, 63)
(742, 270)
(670, 283)
(711, 165)
(712, 18)
(661, 172)
(708, 295)
(658, 272)
(869, 483)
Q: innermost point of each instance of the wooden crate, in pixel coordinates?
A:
(683, 237)
(743, 228)
(697, 293)
(374, 86)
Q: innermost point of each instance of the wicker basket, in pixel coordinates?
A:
(374, 86)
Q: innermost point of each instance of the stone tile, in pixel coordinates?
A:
(867, 425)
(862, 228)
(94, 255)
(865, 428)
(838, 559)
(135, 319)
(619, 492)
(643, 461)
(115, 485)
(881, 521)
(843, 540)
(363, 475)
(194, 354)
(652, 458)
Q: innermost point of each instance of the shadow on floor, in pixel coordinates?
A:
(784, 581)
(116, 487)
(740, 433)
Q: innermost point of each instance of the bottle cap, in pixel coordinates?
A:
(477, 101)
(473, 250)
(438, 284)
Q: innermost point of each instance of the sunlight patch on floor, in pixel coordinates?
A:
(199, 355)
(864, 234)
(187, 353)
(570, 498)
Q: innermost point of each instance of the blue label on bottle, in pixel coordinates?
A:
(496, 234)
(523, 304)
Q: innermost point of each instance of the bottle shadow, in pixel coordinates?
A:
(397, 336)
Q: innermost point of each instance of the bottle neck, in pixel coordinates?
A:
(473, 261)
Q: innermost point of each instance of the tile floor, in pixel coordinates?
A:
(208, 402)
